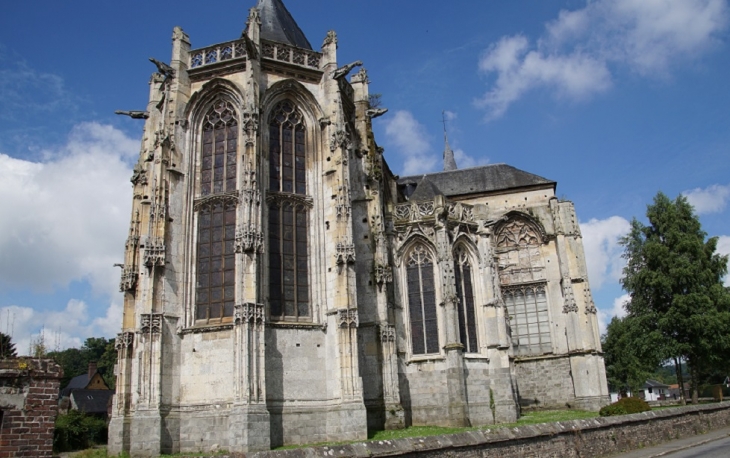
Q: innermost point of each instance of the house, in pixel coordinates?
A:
(654, 391)
(282, 286)
(87, 393)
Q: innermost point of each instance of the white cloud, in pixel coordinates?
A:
(602, 251)
(574, 56)
(64, 220)
(712, 199)
(58, 329)
(617, 309)
(412, 142)
(723, 247)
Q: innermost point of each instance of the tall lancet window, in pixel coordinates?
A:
(422, 302)
(216, 214)
(288, 215)
(465, 293)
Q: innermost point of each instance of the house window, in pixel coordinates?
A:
(528, 311)
(422, 302)
(216, 215)
(288, 215)
(465, 293)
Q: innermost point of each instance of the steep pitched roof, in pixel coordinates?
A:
(277, 24)
(426, 190)
(77, 383)
(475, 180)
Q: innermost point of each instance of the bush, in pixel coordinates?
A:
(77, 431)
(624, 406)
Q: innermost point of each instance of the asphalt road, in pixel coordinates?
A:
(715, 444)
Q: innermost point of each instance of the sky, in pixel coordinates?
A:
(615, 100)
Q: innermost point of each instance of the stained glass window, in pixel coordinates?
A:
(465, 293)
(422, 302)
(528, 311)
(288, 216)
(215, 245)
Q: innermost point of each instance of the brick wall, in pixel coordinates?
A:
(28, 403)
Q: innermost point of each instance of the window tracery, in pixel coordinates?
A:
(288, 215)
(523, 285)
(216, 216)
(465, 293)
(422, 301)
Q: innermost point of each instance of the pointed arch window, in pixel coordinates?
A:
(465, 293)
(216, 216)
(422, 302)
(288, 215)
(524, 287)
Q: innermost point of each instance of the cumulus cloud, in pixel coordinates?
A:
(602, 251)
(412, 142)
(57, 329)
(712, 199)
(723, 247)
(64, 220)
(617, 309)
(575, 55)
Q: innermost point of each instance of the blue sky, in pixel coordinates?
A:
(614, 100)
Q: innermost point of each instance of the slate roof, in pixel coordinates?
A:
(654, 384)
(475, 180)
(77, 383)
(277, 24)
(91, 401)
(426, 190)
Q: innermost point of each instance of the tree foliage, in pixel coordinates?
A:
(7, 347)
(628, 362)
(75, 361)
(674, 277)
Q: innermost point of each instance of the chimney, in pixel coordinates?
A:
(92, 369)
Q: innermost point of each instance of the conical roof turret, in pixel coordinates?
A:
(277, 24)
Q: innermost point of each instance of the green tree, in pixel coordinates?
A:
(674, 277)
(629, 361)
(75, 361)
(7, 347)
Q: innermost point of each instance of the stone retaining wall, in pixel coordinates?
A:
(579, 438)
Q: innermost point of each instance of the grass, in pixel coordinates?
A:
(528, 418)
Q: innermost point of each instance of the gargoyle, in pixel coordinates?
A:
(345, 70)
(163, 68)
(134, 114)
(375, 112)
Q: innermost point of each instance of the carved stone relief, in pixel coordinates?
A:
(249, 313)
(151, 323)
(347, 318)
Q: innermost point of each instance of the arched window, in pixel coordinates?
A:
(522, 279)
(216, 208)
(288, 215)
(422, 302)
(465, 293)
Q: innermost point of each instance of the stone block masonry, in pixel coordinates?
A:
(28, 406)
(595, 437)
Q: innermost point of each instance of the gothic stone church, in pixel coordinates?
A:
(283, 286)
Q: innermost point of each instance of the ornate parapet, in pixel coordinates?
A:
(229, 51)
(290, 54)
(411, 212)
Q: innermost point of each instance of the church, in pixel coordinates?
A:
(283, 286)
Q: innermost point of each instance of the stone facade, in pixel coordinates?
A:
(28, 406)
(282, 286)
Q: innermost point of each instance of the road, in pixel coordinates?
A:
(715, 444)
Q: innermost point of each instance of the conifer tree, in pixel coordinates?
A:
(674, 277)
(7, 347)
